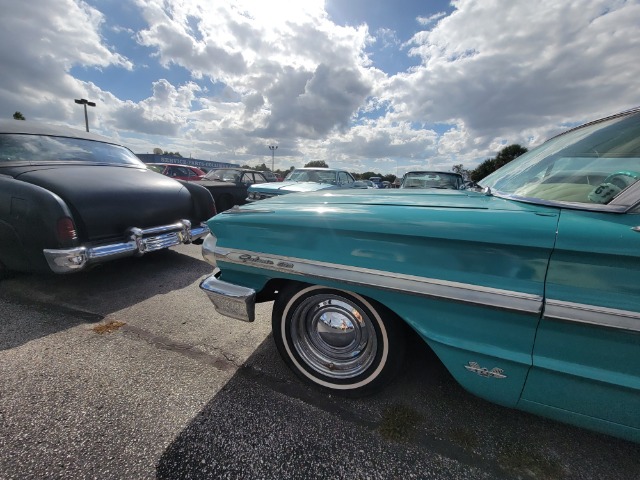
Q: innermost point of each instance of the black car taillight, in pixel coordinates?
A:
(66, 230)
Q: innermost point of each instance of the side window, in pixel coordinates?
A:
(344, 178)
(251, 178)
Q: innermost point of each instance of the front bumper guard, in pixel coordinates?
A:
(138, 242)
(230, 300)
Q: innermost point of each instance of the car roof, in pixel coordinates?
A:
(235, 168)
(29, 127)
(434, 171)
(321, 168)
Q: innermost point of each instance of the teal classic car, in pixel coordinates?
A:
(303, 180)
(528, 290)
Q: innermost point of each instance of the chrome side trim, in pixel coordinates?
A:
(236, 210)
(411, 284)
(592, 315)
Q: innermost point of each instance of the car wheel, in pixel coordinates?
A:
(225, 202)
(337, 340)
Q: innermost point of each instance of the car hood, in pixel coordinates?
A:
(279, 188)
(350, 199)
(106, 200)
(455, 235)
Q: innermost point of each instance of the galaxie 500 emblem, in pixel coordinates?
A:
(485, 372)
(247, 258)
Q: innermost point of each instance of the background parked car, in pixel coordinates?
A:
(377, 181)
(527, 291)
(431, 179)
(270, 176)
(303, 180)
(364, 184)
(71, 199)
(177, 172)
(229, 185)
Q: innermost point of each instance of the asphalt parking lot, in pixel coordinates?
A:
(127, 372)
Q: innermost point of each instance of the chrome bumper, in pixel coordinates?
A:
(230, 300)
(138, 242)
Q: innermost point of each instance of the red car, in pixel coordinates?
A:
(177, 172)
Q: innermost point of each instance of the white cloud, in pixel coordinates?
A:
(513, 70)
(491, 73)
(39, 43)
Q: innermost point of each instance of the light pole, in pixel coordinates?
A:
(273, 149)
(85, 102)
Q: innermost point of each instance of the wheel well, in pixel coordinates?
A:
(274, 286)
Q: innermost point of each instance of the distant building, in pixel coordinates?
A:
(194, 162)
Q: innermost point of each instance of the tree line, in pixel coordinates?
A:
(490, 165)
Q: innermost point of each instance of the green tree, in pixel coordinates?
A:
(509, 153)
(172, 154)
(459, 168)
(503, 157)
(367, 175)
(317, 164)
(18, 116)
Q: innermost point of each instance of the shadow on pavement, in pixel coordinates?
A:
(266, 424)
(36, 305)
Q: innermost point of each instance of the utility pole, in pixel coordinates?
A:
(85, 102)
(273, 149)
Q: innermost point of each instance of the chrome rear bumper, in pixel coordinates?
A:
(231, 300)
(138, 242)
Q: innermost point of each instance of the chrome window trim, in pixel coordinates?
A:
(410, 284)
(592, 315)
(590, 207)
(626, 201)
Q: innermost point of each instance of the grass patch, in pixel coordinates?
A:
(399, 423)
(464, 438)
(108, 327)
(531, 465)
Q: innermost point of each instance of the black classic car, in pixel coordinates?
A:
(229, 185)
(71, 199)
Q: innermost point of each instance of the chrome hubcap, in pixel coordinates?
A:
(334, 336)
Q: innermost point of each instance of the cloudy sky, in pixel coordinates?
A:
(370, 85)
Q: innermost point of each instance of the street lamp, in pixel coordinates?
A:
(85, 102)
(273, 149)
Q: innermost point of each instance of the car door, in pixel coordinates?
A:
(586, 357)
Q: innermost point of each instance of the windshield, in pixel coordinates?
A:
(431, 180)
(590, 165)
(224, 175)
(318, 176)
(43, 148)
